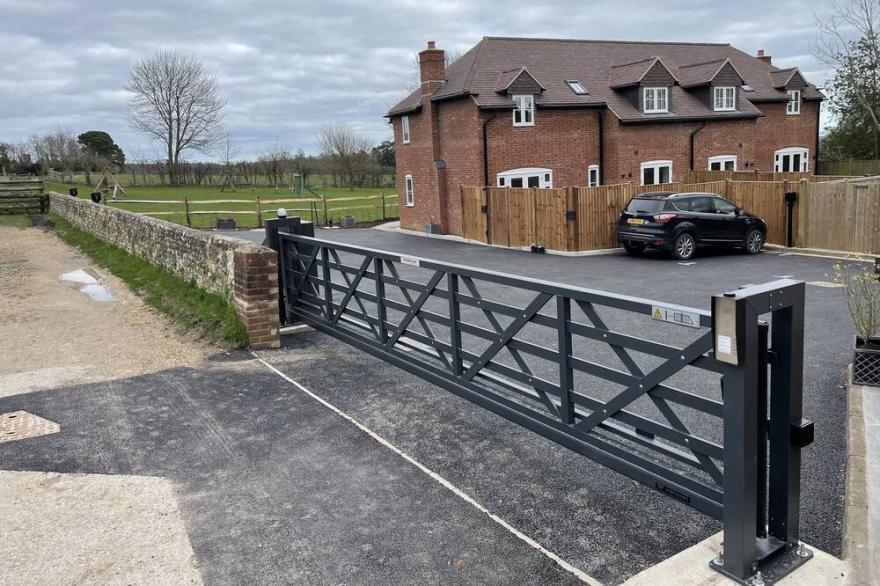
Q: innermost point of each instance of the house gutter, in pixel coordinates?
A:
(694, 143)
(486, 148)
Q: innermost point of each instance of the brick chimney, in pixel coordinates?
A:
(765, 58)
(432, 68)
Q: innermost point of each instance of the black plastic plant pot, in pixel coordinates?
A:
(866, 362)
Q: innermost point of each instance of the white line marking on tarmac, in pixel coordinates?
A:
(581, 575)
(687, 264)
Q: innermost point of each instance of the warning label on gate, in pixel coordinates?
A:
(676, 316)
(409, 260)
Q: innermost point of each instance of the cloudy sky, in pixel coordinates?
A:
(286, 67)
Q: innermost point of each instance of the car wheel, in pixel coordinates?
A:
(684, 246)
(754, 242)
(633, 248)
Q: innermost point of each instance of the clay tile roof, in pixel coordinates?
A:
(695, 74)
(604, 68)
(779, 78)
(506, 79)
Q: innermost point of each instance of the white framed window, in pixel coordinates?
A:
(722, 163)
(410, 194)
(725, 98)
(794, 102)
(655, 172)
(404, 129)
(593, 177)
(655, 99)
(526, 177)
(577, 87)
(791, 160)
(523, 110)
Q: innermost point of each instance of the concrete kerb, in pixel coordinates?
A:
(857, 549)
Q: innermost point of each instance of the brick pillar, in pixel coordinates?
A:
(256, 295)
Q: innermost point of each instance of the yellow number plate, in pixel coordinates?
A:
(635, 221)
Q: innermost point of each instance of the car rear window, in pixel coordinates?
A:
(646, 205)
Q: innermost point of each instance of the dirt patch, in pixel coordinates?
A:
(54, 334)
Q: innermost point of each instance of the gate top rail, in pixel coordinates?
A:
(618, 301)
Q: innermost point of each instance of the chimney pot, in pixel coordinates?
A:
(764, 56)
(431, 44)
(760, 52)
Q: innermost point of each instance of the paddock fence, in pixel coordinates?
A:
(842, 214)
(20, 195)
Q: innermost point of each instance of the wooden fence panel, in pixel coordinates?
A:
(764, 199)
(717, 187)
(598, 210)
(498, 216)
(550, 224)
(840, 216)
(521, 216)
(22, 195)
(659, 187)
(473, 219)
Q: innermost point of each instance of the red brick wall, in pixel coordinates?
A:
(565, 141)
(256, 295)
(778, 130)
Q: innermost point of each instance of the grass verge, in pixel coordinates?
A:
(192, 309)
(15, 220)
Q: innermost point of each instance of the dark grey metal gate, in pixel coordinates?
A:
(544, 355)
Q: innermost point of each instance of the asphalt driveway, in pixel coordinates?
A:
(278, 480)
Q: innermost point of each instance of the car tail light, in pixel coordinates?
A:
(663, 218)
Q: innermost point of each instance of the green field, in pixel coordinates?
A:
(362, 203)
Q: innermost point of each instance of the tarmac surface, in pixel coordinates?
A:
(276, 487)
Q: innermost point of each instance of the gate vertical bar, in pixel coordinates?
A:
(328, 290)
(566, 373)
(454, 318)
(786, 406)
(740, 449)
(380, 301)
(761, 513)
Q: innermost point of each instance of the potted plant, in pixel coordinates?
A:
(861, 286)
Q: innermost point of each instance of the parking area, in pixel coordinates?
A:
(318, 463)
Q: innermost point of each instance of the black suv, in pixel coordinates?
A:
(680, 222)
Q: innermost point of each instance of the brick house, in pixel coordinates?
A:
(515, 112)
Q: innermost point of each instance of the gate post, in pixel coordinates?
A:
(761, 542)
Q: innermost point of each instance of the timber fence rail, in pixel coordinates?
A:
(19, 195)
(836, 213)
(320, 210)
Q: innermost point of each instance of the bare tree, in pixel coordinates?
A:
(177, 103)
(275, 159)
(345, 150)
(851, 45)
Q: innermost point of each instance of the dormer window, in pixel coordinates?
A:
(725, 99)
(794, 102)
(523, 110)
(576, 87)
(655, 100)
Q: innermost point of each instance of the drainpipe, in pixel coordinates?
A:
(816, 164)
(694, 143)
(486, 149)
(600, 118)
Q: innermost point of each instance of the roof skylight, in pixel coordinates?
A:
(576, 87)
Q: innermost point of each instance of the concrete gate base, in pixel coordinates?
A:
(691, 568)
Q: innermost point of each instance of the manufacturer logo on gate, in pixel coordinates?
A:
(409, 260)
(676, 316)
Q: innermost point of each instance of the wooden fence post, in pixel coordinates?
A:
(382, 199)
(186, 211)
(259, 213)
(803, 204)
(324, 207)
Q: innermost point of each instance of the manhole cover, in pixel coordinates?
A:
(21, 424)
(828, 284)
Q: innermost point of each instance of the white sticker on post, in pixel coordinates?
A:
(724, 345)
(409, 260)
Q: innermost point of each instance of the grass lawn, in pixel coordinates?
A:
(16, 220)
(340, 202)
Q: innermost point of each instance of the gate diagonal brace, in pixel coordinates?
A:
(663, 406)
(352, 290)
(422, 321)
(414, 309)
(528, 313)
(646, 383)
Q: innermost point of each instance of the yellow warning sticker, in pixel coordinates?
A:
(676, 316)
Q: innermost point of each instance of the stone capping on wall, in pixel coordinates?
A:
(243, 272)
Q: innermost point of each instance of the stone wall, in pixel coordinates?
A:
(243, 272)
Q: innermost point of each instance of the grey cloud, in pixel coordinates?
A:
(288, 67)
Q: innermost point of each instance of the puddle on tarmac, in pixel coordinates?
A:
(90, 285)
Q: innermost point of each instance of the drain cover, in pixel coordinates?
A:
(21, 424)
